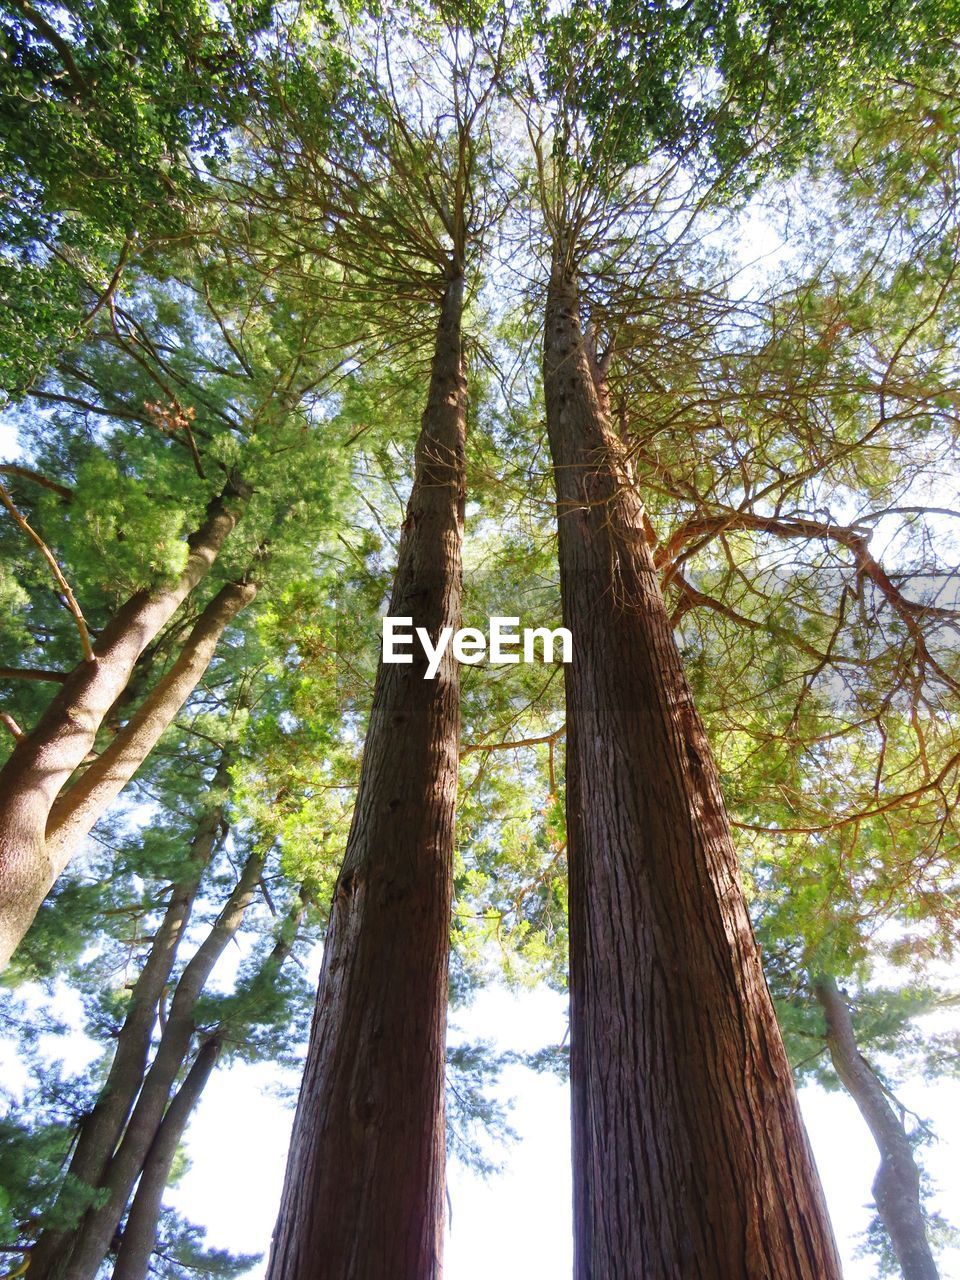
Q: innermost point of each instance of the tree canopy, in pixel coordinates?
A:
(230, 238)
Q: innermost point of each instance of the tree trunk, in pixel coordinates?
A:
(101, 1130)
(80, 807)
(896, 1188)
(140, 1231)
(43, 761)
(364, 1191)
(90, 1244)
(690, 1157)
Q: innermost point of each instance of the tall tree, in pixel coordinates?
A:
(225, 386)
(172, 1032)
(675, 1051)
(700, 446)
(841, 749)
(896, 1187)
(39, 828)
(364, 1189)
(689, 1151)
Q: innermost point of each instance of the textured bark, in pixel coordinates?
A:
(43, 761)
(101, 1130)
(79, 808)
(896, 1188)
(140, 1230)
(364, 1191)
(690, 1157)
(81, 1258)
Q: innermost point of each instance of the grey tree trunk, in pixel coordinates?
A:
(45, 758)
(102, 1128)
(690, 1157)
(140, 1230)
(364, 1192)
(81, 1256)
(896, 1187)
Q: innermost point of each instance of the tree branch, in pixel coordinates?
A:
(32, 673)
(52, 36)
(56, 571)
(8, 721)
(26, 473)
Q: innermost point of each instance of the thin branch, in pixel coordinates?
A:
(32, 673)
(107, 295)
(8, 721)
(56, 571)
(548, 739)
(26, 473)
(52, 36)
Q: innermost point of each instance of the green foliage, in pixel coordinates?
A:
(740, 84)
(476, 1118)
(36, 1129)
(108, 113)
(180, 1251)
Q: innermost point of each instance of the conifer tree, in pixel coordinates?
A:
(364, 1190)
(689, 1151)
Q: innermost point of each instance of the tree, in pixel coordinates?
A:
(689, 1151)
(39, 829)
(834, 1035)
(163, 895)
(364, 1189)
(839, 747)
(720, 463)
(129, 1138)
(247, 389)
(681, 963)
(896, 1187)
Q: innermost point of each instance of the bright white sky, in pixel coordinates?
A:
(519, 1222)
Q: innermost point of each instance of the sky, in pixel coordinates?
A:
(519, 1221)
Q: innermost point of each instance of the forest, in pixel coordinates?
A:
(631, 324)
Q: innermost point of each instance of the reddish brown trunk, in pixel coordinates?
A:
(690, 1158)
(896, 1188)
(43, 761)
(364, 1191)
